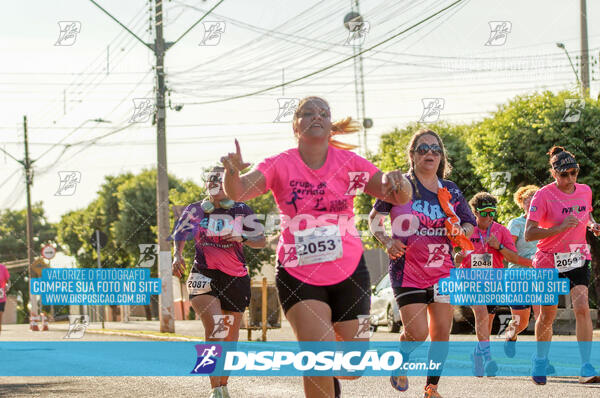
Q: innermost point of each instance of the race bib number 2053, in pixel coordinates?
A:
(319, 245)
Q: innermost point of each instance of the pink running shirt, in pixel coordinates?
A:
(501, 233)
(4, 278)
(310, 198)
(549, 207)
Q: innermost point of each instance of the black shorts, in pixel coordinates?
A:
(2, 304)
(578, 276)
(347, 299)
(414, 295)
(232, 291)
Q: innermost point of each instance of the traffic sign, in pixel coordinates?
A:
(37, 266)
(103, 239)
(48, 252)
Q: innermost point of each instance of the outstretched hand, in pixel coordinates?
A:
(233, 162)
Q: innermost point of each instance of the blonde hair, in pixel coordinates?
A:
(343, 126)
(524, 193)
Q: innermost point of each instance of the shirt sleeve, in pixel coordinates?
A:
(187, 222)
(463, 210)
(537, 209)
(383, 207)
(268, 168)
(507, 240)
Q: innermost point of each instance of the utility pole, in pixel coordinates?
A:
(585, 59)
(165, 301)
(166, 313)
(28, 182)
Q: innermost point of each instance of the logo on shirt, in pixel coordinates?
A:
(582, 248)
(532, 208)
(207, 358)
(438, 252)
(358, 182)
(573, 210)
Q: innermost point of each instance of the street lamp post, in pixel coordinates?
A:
(561, 45)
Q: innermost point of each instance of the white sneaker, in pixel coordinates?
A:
(217, 392)
(225, 392)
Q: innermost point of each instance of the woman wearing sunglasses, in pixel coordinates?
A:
(218, 284)
(322, 279)
(420, 252)
(493, 243)
(558, 217)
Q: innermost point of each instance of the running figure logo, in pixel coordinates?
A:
(148, 255)
(290, 258)
(437, 254)
(207, 358)
(68, 182)
(214, 178)
(68, 33)
(358, 182)
(293, 200)
(508, 327)
(432, 108)
(222, 325)
(287, 107)
(184, 225)
(142, 109)
(358, 33)
(573, 109)
(582, 248)
(499, 31)
(366, 326)
(212, 33)
(77, 326)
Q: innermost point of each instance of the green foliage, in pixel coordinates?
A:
(13, 245)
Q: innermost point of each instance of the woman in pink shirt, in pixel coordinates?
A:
(493, 243)
(322, 279)
(4, 281)
(558, 217)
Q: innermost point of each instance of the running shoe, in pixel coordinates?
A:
(217, 392)
(399, 382)
(431, 392)
(491, 368)
(588, 374)
(337, 388)
(225, 392)
(550, 369)
(478, 362)
(539, 370)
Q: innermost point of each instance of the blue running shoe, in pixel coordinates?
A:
(491, 368)
(510, 347)
(478, 364)
(539, 370)
(588, 374)
(400, 382)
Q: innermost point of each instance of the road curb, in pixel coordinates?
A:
(141, 334)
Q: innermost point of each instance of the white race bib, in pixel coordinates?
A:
(483, 260)
(198, 283)
(570, 260)
(319, 245)
(439, 298)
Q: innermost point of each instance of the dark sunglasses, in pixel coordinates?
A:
(488, 213)
(215, 178)
(565, 174)
(424, 148)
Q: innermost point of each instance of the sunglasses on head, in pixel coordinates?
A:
(565, 174)
(424, 148)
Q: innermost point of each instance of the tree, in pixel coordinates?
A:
(13, 244)
(518, 136)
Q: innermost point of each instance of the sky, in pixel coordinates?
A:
(65, 85)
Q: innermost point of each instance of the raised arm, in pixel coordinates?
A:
(241, 188)
(392, 187)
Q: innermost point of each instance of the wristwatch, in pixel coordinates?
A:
(500, 246)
